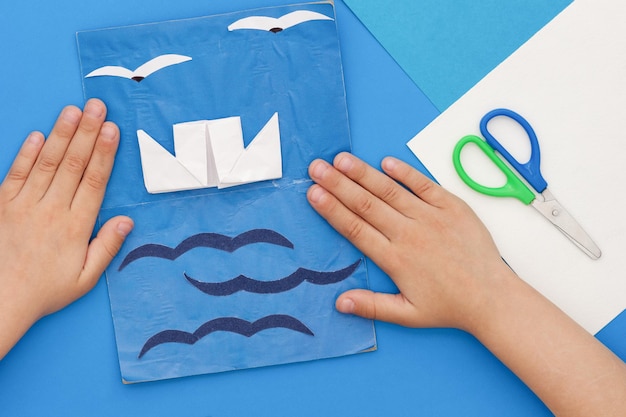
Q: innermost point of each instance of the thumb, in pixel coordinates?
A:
(392, 308)
(103, 249)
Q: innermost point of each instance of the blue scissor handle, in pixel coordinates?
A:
(530, 170)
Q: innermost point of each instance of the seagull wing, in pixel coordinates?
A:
(158, 63)
(300, 16)
(254, 22)
(112, 71)
(284, 22)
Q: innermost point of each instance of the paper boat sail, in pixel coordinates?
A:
(210, 153)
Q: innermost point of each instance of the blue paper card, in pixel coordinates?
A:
(228, 267)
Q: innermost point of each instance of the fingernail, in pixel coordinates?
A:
(319, 167)
(316, 194)
(346, 306)
(389, 163)
(94, 108)
(124, 228)
(108, 131)
(35, 138)
(345, 163)
(71, 114)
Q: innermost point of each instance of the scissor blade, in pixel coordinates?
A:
(559, 217)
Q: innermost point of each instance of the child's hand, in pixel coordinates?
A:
(450, 274)
(427, 240)
(49, 202)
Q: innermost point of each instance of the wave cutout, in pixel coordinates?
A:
(227, 324)
(243, 283)
(207, 240)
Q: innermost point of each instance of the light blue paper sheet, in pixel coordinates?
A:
(252, 74)
(471, 37)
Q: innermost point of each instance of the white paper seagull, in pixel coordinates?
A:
(276, 25)
(142, 71)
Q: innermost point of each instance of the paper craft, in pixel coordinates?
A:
(207, 240)
(225, 324)
(568, 82)
(279, 24)
(210, 153)
(216, 277)
(243, 283)
(142, 71)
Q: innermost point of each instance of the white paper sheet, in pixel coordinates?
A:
(569, 82)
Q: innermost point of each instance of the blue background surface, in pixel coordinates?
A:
(67, 364)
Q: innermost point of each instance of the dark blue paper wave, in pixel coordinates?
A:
(243, 283)
(227, 324)
(207, 240)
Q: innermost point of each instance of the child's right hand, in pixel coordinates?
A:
(438, 253)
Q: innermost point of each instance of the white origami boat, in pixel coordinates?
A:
(210, 153)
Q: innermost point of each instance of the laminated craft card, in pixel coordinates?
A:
(228, 267)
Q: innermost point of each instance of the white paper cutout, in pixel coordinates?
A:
(277, 24)
(155, 64)
(211, 153)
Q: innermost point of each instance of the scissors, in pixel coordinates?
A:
(550, 208)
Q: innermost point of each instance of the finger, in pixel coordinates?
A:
(52, 152)
(78, 154)
(392, 308)
(103, 249)
(21, 167)
(362, 234)
(356, 198)
(423, 187)
(90, 192)
(377, 183)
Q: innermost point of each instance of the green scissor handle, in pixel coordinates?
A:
(514, 187)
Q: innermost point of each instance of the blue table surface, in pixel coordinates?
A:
(67, 363)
